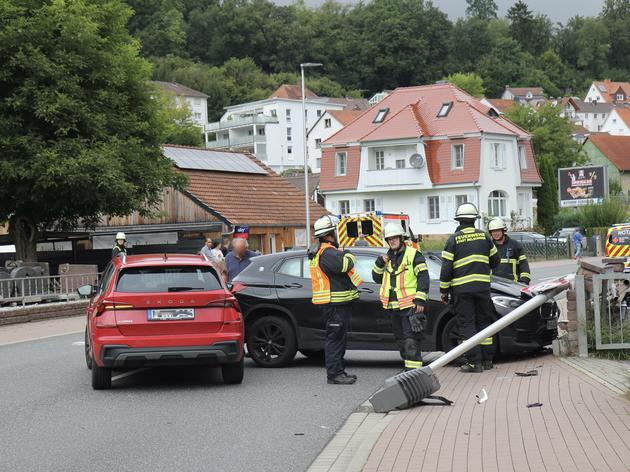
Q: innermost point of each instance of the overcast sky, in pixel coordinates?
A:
(557, 10)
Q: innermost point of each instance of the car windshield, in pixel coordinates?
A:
(167, 279)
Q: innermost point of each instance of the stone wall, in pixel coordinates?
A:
(43, 311)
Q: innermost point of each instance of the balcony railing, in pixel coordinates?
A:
(393, 177)
(240, 122)
(237, 142)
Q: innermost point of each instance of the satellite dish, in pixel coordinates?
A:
(417, 161)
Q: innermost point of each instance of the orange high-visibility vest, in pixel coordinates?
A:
(322, 294)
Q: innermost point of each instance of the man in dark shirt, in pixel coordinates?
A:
(239, 258)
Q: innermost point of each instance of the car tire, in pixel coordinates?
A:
(101, 377)
(271, 341)
(315, 354)
(88, 354)
(233, 373)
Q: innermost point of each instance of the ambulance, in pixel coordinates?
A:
(370, 225)
(618, 240)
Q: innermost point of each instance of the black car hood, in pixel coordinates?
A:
(506, 287)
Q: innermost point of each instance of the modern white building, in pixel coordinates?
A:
(425, 150)
(591, 115)
(197, 101)
(618, 122)
(328, 124)
(271, 129)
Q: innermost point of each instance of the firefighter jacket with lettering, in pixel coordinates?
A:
(513, 263)
(467, 260)
(404, 279)
(333, 276)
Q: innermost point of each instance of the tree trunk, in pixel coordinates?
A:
(24, 232)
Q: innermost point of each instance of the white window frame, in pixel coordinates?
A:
(620, 96)
(380, 116)
(290, 151)
(341, 164)
(498, 159)
(327, 122)
(433, 214)
(522, 156)
(319, 113)
(497, 200)
(454, 156)
(369, 204)
(318, 162)
(401, 161)
(289, 134)
(379, 159)
(287, 114)
(460, 200)
(318, 143)
(342, 204)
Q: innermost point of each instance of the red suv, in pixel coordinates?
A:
(162, 310)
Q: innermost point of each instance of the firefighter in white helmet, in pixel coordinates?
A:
(513, 265)
(119, 248)
(334, 283)
(404, 280)
(467, 260)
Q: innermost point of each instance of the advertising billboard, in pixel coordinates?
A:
(582, 185)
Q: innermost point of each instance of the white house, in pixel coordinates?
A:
(618, 122)
(425, 150)
(328, 124)
(608, 92)
(271, 129)
(527, 96)
(591, 115)
(197, 101)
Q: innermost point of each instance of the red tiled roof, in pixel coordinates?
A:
(179, 89)
(624, 114)
(345, 116)
(253, 199)
(404, 124)
(501, 104)
(615, 148)
(292, 92)
(611, 88)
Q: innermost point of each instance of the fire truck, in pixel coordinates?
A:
(370, 225)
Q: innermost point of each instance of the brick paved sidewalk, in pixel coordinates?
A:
(581, 426)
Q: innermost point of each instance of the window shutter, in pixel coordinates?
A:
(443, 208)
(378, 204)
(423, 210)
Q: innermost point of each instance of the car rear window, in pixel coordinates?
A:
(620, 237)
(167, 279)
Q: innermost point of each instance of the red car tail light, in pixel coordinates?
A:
(232, 308)
(105, 316)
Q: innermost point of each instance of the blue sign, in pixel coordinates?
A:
(241, 231)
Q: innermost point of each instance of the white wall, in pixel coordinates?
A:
(198, 109)
(615, 125)
(371, 179)
(594, 94)
(319, 131)
(590, 121)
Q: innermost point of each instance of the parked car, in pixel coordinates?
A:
(275, 296)
(564, 234)
(159, 310)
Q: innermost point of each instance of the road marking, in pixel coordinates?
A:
(127, 374)
(40, 338)
(78, 343)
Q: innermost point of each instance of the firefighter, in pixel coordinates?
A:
(404, 280)
(335, 285)
(467, 260)
(119, 248)
(513, 263)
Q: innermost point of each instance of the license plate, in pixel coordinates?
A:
(172, 314)
(552, 324)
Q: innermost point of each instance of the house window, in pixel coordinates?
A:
(261, 131)
(460, 200)
(457, 156)
(522, 157)
(340, 163)
(497, 156)
(497, 203)
(434, 208)
(305, 114)
(400, 163)
(274, 113)
(327, 122)
(289, 149)
(319, 113)
(595, 115)
(368, 205)
(344, 207)
(289, 134)
(197, 116)
(318, 143)
(614, 120)
(380, 160)
(288, 115)
(444, 109)
(528, 95)
(318, 163)
(380, 116)
(620, 96)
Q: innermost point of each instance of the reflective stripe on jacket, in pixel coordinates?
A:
(408, 281)
(333, 277)
(513, 264)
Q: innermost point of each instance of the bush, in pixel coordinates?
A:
(608, 213)
(566, 218)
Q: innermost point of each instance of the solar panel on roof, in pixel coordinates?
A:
(200, 159)
(601, 88)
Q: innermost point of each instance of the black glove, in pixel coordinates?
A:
(416, 320)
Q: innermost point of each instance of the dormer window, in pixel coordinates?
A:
(444, 109)
(380, 116)
(529, 95)
(621, 97)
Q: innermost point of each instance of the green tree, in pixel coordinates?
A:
(80, 134)
(179, 126)
(547, 194)
(482, 9)
(616, 17)
(471, 83)
(505, 64)
(470, 39)
(521, 23)
(159, 25)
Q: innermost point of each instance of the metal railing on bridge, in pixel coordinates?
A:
(43, 289)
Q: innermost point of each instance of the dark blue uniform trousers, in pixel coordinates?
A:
(337, 318)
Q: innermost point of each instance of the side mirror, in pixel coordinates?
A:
(230, 286)
(86, 290)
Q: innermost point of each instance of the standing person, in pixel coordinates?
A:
(467, 260)
(206, 249)
(404, 280)
(513, 264)
(238, 258)
(215, 250)
(335, 285)
(577, 242)
(119, 248)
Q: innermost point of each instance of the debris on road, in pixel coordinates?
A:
(482, 396)
(529, 373)
(534, 405)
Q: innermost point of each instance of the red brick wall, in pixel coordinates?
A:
(328, 179)
(44, 311)
(439, 161)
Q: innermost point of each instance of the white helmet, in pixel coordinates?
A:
(325, 225)
(393, 229)
(466, 211)
(121, 235)
(497, 223)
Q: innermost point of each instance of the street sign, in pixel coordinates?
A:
(241, 231)
(582, 185)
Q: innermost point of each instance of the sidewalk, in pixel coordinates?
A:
(581, 425)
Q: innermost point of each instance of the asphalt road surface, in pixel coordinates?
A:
(546, 270)
(170, 420)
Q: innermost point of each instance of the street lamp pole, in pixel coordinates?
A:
(305, 154)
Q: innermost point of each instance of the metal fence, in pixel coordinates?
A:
(54, 288)
(549, 248)
(611, 300)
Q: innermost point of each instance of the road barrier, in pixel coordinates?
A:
(43, 289)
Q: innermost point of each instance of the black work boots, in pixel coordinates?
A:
(343, 379)
(476, 367)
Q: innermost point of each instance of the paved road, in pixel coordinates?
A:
(170, 420)
(550, 269)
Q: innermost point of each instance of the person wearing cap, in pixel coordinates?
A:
(404, 279)
(334, 282)
(119, 248)
(513, 264)
(468, 259)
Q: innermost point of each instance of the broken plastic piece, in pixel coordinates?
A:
(482, 397)
(529, 373)
(534, 405)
